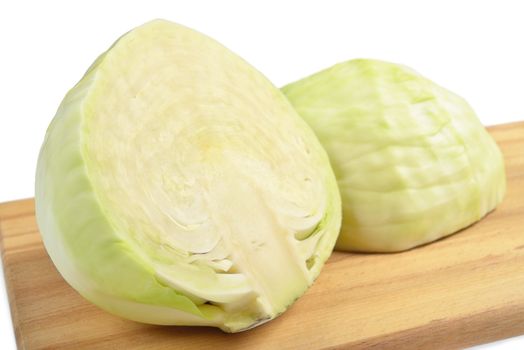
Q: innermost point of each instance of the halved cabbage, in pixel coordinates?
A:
(412, 160)
(176, 185)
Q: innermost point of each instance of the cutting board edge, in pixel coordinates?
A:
(16, 202)
(13, 310)
(490, 324)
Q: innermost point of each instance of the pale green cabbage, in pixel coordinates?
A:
(176, 185)
(412, 160)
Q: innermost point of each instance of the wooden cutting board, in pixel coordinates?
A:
(463, 290)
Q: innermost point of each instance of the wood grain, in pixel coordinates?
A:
(460, 291)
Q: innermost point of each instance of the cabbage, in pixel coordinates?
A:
(176, 185)
(412, 160)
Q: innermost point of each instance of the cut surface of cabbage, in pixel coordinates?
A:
(412, 160)
(176, 185)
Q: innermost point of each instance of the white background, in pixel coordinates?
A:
(474, 48)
